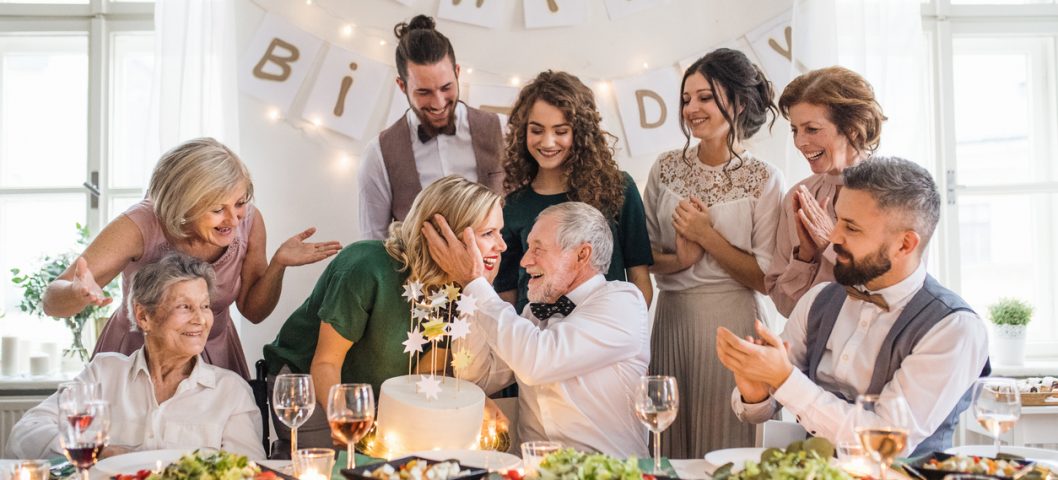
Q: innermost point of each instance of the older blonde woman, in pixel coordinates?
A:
(198, 203)
(352, 326)
(170, 301)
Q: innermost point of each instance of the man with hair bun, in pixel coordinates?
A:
(438, 136)
(885, 327)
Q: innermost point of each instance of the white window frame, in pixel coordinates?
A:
(943, 21)
(99, 19)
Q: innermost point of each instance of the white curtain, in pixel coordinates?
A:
(194, 92)
(883, 41)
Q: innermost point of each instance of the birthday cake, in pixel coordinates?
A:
(409, 420)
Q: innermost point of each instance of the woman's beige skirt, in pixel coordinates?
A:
(683, 345)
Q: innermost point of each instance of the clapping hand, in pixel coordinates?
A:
(759, 364)
(85, 286)
(691, 219)
(295, 251)
(813, 218)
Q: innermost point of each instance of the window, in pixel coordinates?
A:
(997, 119)
(75, 82)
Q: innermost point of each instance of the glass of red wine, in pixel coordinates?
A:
(83, 432)
(350, 412)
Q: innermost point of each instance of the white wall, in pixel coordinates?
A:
(301, 179)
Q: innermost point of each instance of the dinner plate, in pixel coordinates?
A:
(737, 456)
(486, 459)
(135, 461)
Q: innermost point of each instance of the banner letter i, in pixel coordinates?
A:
(347, 81)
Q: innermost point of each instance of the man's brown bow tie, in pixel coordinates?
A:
(874, 298)
(427, 134)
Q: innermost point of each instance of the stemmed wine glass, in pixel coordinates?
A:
(74, 395)
(656, 401)
(350, 412)
(293, 399)
(997, 405)
(883, 437)
(84, 430)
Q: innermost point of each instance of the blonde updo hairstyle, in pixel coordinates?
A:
(461, 202)
(193, 177)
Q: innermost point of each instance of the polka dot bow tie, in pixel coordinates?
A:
(544, 311)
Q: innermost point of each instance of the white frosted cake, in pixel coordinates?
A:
(408, 422)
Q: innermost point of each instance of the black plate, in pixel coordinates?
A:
(931, 474)
(363, 473)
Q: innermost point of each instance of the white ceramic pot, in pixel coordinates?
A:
(1008, 344)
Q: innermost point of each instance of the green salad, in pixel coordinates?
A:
(800, 460)
(201, 465)
(570, 464)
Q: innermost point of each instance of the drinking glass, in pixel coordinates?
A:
(883, 437)
(534, 452)
(83, 432)
(293, 399)
(997, 405)
(74, 395)
(350, 412)
(656, 401)
(313, 463)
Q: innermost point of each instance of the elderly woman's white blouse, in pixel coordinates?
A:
(213, 407)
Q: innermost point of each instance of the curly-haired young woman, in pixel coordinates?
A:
(556, 152)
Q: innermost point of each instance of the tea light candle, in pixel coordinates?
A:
(30, 470)
(311, 475)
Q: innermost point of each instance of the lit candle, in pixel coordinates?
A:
(30, 470)
(311, 475)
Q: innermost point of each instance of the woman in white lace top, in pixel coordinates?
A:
(712, 210)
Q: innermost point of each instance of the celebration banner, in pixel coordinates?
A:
(554, 13)
(277, 60)
(350, 87)
(772, 42)
(346, 92)
(483, 13)
(649, 108)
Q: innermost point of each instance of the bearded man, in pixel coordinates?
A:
(438, 136)
(885, 327)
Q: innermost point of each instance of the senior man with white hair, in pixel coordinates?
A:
(578, 349)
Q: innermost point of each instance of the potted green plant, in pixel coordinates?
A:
(1010, 319)
(33, 285)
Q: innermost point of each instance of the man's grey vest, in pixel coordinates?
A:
(404, 184)
(931, 304)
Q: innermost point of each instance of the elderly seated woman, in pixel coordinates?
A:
(163, 395)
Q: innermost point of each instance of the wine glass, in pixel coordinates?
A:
(83, 432)
(882, 428)
(656, 401)
(997, 405)
(293, 399)
(350, 412)
(73, 395)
